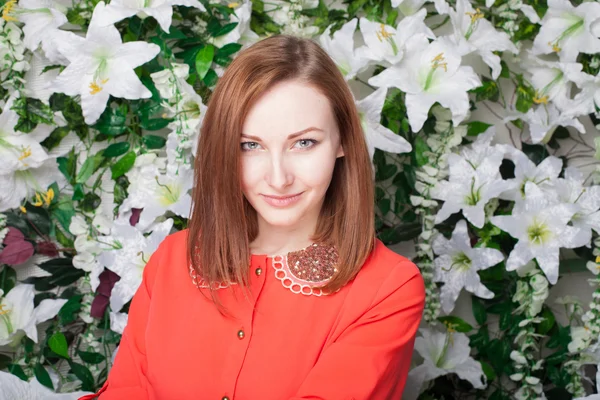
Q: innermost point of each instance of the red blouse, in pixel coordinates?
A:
(356, 343)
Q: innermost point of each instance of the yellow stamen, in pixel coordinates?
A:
(554, 46)
(48, 196)
(7, 9)
(475, 15)
(382, 33)
(96, 88)
(598, 259)
(25, 152)
(23, 209)
(233, 5)
(439, 61)
(38, 200)
(2, 310)
(540, 100)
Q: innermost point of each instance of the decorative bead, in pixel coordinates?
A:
(315, 263)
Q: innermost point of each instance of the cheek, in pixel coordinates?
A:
(250, 174)
(315, 171)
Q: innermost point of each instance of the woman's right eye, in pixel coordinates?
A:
(249, 146)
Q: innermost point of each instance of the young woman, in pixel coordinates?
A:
(278, 289)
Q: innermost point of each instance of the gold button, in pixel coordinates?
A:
(258, 271)
(225, 398)
(241, 334)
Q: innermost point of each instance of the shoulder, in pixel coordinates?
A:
(386, 272)
(172, 250)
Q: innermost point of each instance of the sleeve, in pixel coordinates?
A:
(127, 377)
(370, 360)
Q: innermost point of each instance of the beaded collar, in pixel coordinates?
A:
(299, 271)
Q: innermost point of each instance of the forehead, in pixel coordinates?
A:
(286, 108)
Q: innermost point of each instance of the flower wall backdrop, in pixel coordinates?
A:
(101, 108)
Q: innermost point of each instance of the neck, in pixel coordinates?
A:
(281, 240)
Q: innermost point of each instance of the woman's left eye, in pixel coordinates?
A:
(306, 143)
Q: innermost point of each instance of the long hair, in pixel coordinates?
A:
(222, 222)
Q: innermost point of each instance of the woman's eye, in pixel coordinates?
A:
(249, 146)
(306, 143)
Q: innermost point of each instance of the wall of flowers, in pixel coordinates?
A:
(101, 107)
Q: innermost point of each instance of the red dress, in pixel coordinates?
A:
(356, 343)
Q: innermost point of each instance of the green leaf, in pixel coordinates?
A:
(487, 91)
(385, 172)
(58, 344)
(475, 128)
(8, 279)
(123, 165)
(479, 311)
(64, 211)
(525, 95)
(229, 49)
(211, 78)
(458, 324)
(31, 112)
(68, 312)
(4, 361)
(113, 121)
(89, 167)
(224, 30)
(39, 217)
(84, 374)
(116, 149)
(90, 202)
(16, 370)
(488, 370)
(68, 165)
(91, 358)
(384, 206)
(420, 148)
(78, 193)
(154, 124)
(55, 137)
(204, 60)
(154, 141)
(42, 376)
(549, 320)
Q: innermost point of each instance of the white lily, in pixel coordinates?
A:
(595, 396)
(474, 33)
(430, 73)
(158, 192)
(540, 225)
(570, 190)
(588, 99)
(474, 179)
(553, 80)
(160, 10)
(542, 175)
(129, 257)
(38, 16)
(20, 151)
(410, 7)
(544, 119)
(24, 184)
(241, 33)
(568, 30)
(14, 388)
(36, 82)
(458, 263)
(443, 353)
(377, 135)
(102, 65)
(18, 317)
(341, 49)
(386, 45)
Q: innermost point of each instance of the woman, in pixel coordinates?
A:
(278, 288)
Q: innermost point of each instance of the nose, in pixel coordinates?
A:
(279, 174)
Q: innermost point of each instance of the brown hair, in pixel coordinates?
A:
(222, 222)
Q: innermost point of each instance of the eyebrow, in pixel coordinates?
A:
(291, 136)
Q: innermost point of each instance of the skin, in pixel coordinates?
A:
(275, 164)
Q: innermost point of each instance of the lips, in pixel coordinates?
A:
(281, 201)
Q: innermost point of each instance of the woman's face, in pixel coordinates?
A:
(289, 146)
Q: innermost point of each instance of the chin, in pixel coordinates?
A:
(281, 218)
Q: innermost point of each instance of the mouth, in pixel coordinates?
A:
(281, 201)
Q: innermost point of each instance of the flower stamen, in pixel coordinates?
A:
(383, 34)
(475, 16)
(8, 9)
(95, 88)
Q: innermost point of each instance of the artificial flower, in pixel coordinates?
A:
(242, 33)
(541, 229)
(475, 34)
(544, 119)
(341, 49)
(430, 73)
(386, 45)
(457, 265)
(377, 135)
(102, 65)
(18, 317)
(129, 255)
(568, 30)
(160, 10)
(443, 353)
(24, 184)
